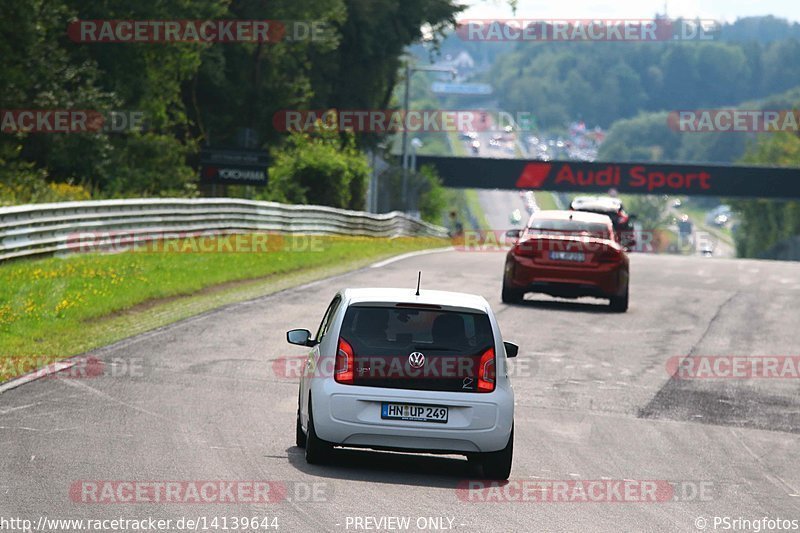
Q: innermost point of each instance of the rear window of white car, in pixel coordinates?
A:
(424, 328)
(384, 338)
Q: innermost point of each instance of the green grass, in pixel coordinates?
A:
(458, 201)
(546, 200)
(474, 206)
(698, 216)
(457, 144)
(58, 307)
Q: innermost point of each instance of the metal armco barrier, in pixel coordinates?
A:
(627, 178)
(41, 229)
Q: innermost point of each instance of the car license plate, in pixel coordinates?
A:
(568, 256)
(413, 412)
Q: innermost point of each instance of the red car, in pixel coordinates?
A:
(567, 254)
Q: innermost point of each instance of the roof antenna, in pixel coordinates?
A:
(419, 278)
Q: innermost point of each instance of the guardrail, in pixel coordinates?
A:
(42, 229)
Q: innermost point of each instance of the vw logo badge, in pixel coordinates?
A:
(416, 360)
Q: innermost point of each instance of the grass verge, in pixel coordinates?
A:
(457, 144)
(474, 206)
(546, 201)
(58, 307)
(698, 217)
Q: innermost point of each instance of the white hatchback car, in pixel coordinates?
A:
(394, 370)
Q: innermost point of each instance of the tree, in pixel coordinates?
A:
(764, 223)
(424, 187)
(646, 137)
(197, 93)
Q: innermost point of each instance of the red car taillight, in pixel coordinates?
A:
(623, 217)
(609, 256)
(345, 363)
(527, 248)
(486, 371)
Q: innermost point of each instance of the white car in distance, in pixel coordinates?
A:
(424, 372)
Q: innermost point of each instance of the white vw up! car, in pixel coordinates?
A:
(393, 370)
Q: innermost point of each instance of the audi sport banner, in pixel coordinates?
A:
(628, 178)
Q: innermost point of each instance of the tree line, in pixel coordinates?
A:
(194, 94)
(602, 82)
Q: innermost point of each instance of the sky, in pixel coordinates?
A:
(720, 10)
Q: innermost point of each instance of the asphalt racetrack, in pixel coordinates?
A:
(206, 399)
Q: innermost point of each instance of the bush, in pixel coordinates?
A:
(150, 164)
(320, 168)
(425, 192)
(22, 183)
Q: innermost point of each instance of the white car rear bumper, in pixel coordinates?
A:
(351, 416)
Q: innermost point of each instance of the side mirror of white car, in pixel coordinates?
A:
(301, 337)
